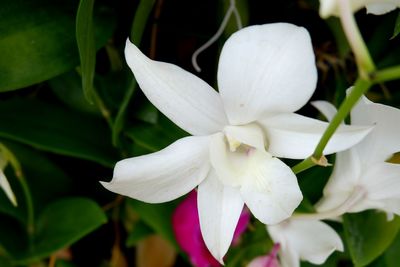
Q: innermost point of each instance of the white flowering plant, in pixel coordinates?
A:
(142, 134)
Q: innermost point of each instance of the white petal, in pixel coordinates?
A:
(344, 179)
(380, 8)
(382, 180)
(313, 241)
(382, 185)
(7, 188)
(270, 189)
(184, 98)
(164, 175)
(219, 211)
(326, 108)
(266, 68)
(294, 136)
(383, 141)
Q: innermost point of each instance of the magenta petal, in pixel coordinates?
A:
(271, 260)
(186, 226)
(241, 227)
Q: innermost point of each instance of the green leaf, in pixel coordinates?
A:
(55, 129)
(86, 46)
(140, 231)
(396, 30)
(157, 216)
(140, 20)
(61, 224)
(37, 40)
(154, 137)
(37, 46)
(151, 137)
(138, 25)
(391, 255)
(40, 172)
(4, 262)
(340, 38)
(368, 235)
(68, 88)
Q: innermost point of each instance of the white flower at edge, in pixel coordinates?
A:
(308, 240)
(4, 184)
(361, 178)
(377, 7)
(265, 73)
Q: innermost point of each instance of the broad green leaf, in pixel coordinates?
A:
(61, 224)
(55, 129)
(4, 262)
(146, 112)
(151, 137)
(40, 172)
(396, 30)
(391, 255)
(378, 43)
(37, 40)
(368, 235)
(68, 88)
(138, 25)
(140, 231)
(10, 232)
(86, 46)
(154, 137)
(157, 216)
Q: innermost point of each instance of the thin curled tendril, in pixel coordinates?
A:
(231, 10)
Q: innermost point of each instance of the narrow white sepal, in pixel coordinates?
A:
(219, 208)
(5, 185)
(184, 98)
(295, 136)
(164, 175)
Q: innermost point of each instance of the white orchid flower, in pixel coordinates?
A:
(361, 178)
(265, 73)
(4, 184)
(309, 240)
(377, 7)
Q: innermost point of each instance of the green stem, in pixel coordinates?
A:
(360, 87)
(102, 107)
(388, 74)
(304, 165)
(119, 119)
(364, 60)
(25, 187)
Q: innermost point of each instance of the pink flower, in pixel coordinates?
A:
(271, 260)
(186, 225)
